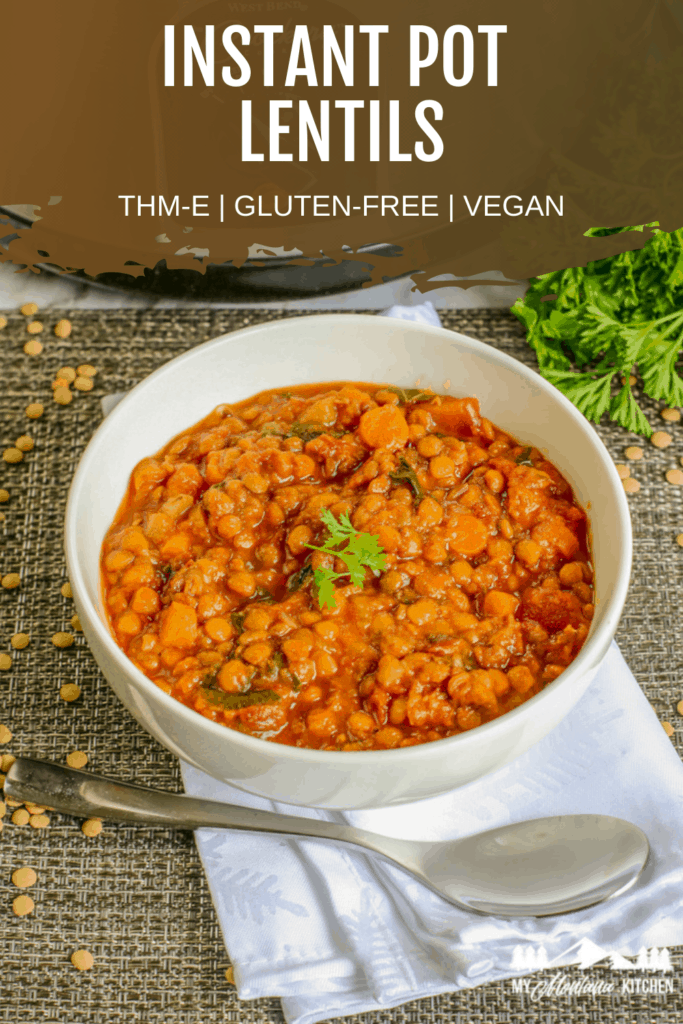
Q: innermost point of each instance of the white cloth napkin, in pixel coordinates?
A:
(334, 932)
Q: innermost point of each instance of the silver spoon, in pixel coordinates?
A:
(534, 868)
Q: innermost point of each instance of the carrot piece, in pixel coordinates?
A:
(467, 535)
(497, 603)
(383, 427)
(178, 626)
(457, 416)
(177, 545)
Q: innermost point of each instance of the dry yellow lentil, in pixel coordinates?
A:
(20, 640)
(668, 728)
(83, 384)
(65, 590)
(11, 802)
(62, 639)
(230, 976)
(29, 309)
(631, 486)
(63, 328)
(25, 443)
(70, 692)
(34, 808)
(3, 809)
(82, 960)
(35, 410)
(11, 581)
(39, 821)
(671, 415)
(23, 905)
(3, 322)
(62, 396)
(675, 477)
(634, 453)
(5, 736)
(67, 373)
(35, 327)
(5, 662)
(12, 455)
(660, 439)
(33, 348)
(20, 816)
(77, 759)
(623, 471)
(679, 540)
(679, 707)
(4, 495)
(60, 382)
(86, 370)
(6, 761)
(24, 878)
(91, 828)
(76, 624)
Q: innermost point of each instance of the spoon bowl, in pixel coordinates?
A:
(529, 869)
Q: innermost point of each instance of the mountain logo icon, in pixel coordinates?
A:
(527, 957)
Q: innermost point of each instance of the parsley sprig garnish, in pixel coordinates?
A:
(592, 326)
(363, 551)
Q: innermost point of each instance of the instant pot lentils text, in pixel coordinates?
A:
(485, 594)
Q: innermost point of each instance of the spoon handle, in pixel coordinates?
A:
(83, 794)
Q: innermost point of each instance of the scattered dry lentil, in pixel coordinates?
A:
(86, 370)
(60, 382)
(631, 379)
(70, 692)
(23, 905)
(6, 761)
(82, 960)
(11, 802)
(63, 328)
(62, 396)
(5, 663)
(21, 816)
(668, 728)
(34, 808)
(3, 322)
(83, 384)
(35, 410)
(39, 821)
(631, 486)
(35, 327)
(12, 455)
(91, 828)
(24, 878)
(3, 809)
(65, 590)
(62, 639)
(623, 471)
(660, 439)
(25, 443)
(634, 453)
(230, 976)
(76, 624)
(29, 309)
(20, 640)
(67, 373)
(679, 540)
(77, 759)
(671, 415)
(675, 477)
(679, 707)
(5, 736)
(4, 495)
(11, 580)
(33, 348)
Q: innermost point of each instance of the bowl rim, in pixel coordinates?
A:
(584, 661)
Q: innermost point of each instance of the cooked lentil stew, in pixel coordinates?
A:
(485, 595)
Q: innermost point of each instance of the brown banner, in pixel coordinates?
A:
(472, 137)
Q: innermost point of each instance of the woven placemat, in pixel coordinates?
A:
(138, 899)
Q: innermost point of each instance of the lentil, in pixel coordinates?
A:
(660, 439)
(62, 328)
(35, 327)
(66, 373)
(25, 443)
(679, 707)
(86, 370)
(28, 309)
(65, 590)
(230, 976)
(668, 728)
(62, 396)
(20, 816)
(6, 761)
(633, 453)
(5, 736)
(70, 692)
(35, 410)
(206, 569)
(91, 828)
(3, 322)
(4, 495)
(5, 663)
(675, 477)
(671, 415)
(77, 759)
(11, 581)
(679, 540)
(83, 384)
(20, 640)
(33, 347)
(12, 455)
(39, 821)
(62, 639)
(76, 624)
(631, 486)
(82, 960)
(23, 905)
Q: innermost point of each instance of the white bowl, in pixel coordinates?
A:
(329, 348)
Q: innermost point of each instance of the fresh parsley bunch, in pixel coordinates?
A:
(362, 551)
(608, 319)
